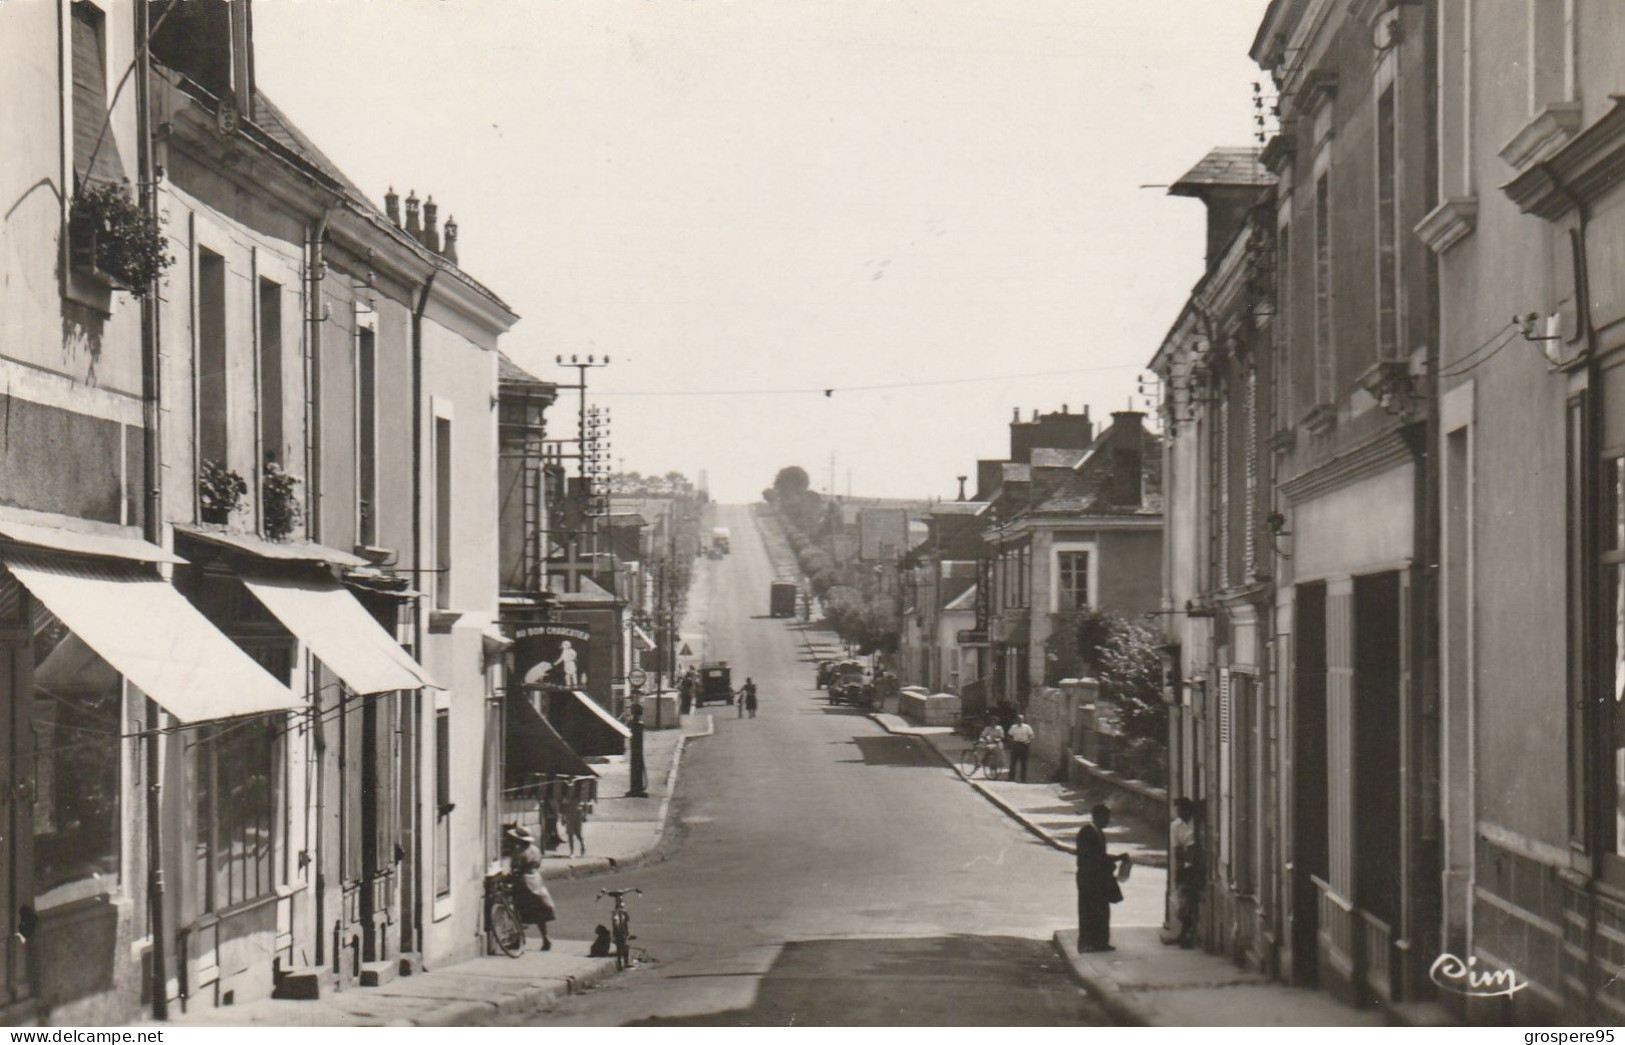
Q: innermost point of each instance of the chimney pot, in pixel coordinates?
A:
(431, 220)
(1065, 409)
(1015, 415)
(413, 227)
(449, 250)
(392, 207)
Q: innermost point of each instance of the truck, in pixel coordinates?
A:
(781, 599)
(720, 540)
(716, 684)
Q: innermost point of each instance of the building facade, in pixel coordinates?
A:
(1530, 417)
(319, 784)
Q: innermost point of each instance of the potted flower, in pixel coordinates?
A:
(113, 240)
(220, 491)
(280, 502)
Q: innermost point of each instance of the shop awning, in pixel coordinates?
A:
(150, 634)
(534, 748)
(598, 710)
(342, 634)
(103, 545)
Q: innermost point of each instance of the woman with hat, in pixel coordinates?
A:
(529, 893)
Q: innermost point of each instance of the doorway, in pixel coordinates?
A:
(1311, 854)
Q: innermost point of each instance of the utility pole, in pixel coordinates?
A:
(590, 456)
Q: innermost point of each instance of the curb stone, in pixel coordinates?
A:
(604, 864)
(1102, 988)
(1006, 807)
(1145, 860)
(514, 1003)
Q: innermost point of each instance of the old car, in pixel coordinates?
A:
(716, 684)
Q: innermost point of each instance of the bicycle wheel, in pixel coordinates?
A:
(623, 941)
(507, 930)
(968, 761)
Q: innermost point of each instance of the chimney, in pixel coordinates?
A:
(392, 207)
(449, 250)
(962, 479)
(413, 229)
(987, 478)
(1065, 409)
(431, 222)
(1128, 459)
(1015, 415)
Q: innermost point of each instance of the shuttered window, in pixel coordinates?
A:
(95, 154)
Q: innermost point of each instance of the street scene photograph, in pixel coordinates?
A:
(525, 514)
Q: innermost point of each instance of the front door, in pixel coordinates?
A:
(16, 796)
(1310, 841)
(380, 825)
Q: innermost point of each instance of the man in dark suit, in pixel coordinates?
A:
(1097, 883)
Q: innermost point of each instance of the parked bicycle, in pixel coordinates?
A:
(502, 922)
(620, 925)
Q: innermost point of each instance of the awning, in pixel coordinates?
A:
(342, 634)
(532, 747)
(598, 709)
(150, 634)
(282, 551)
(105, 545)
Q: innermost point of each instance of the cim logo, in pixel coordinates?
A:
(1465, 977)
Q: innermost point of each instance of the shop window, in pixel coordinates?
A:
(236, 801)
(77, 717)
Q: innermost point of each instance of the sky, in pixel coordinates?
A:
(938, 209)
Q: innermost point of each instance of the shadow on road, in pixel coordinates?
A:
(891, 751)
(954, 980)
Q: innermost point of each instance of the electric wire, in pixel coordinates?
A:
(829, 390)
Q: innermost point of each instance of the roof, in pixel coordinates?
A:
(964, 599)
(1228, 166)
(1011, 472)
(1050, 457)
(508, 370)
(958, 507)
(276, 125)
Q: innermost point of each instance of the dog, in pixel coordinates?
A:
(601, 943)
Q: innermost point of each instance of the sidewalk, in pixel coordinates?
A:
(1052, 811)
(470, 994)
(623, 831)
(1146, 984)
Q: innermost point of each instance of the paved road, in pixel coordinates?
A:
(827, 873)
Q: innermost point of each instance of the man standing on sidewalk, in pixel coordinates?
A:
(1021, 743)
(1097, 883)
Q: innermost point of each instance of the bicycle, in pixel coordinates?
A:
(502, 915)
(620, 925)
(980, 755)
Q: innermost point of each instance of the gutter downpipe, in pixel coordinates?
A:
(1593, 438)
(317, 271)
(412, 743)
(1428, 451)
(152, 516)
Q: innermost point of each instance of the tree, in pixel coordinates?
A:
(791, 482)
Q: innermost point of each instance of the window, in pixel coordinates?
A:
(1282, 324)
(442, 512)
(235, 812)
(1071, 580)
(442, 802)
(1579, 646)
(366, 420)
(77, 721)
(1249, 457)
(1325, 375)
(95, 153)
(212, 387)
(270, 409)
(1222, 506)
(1387, 229)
